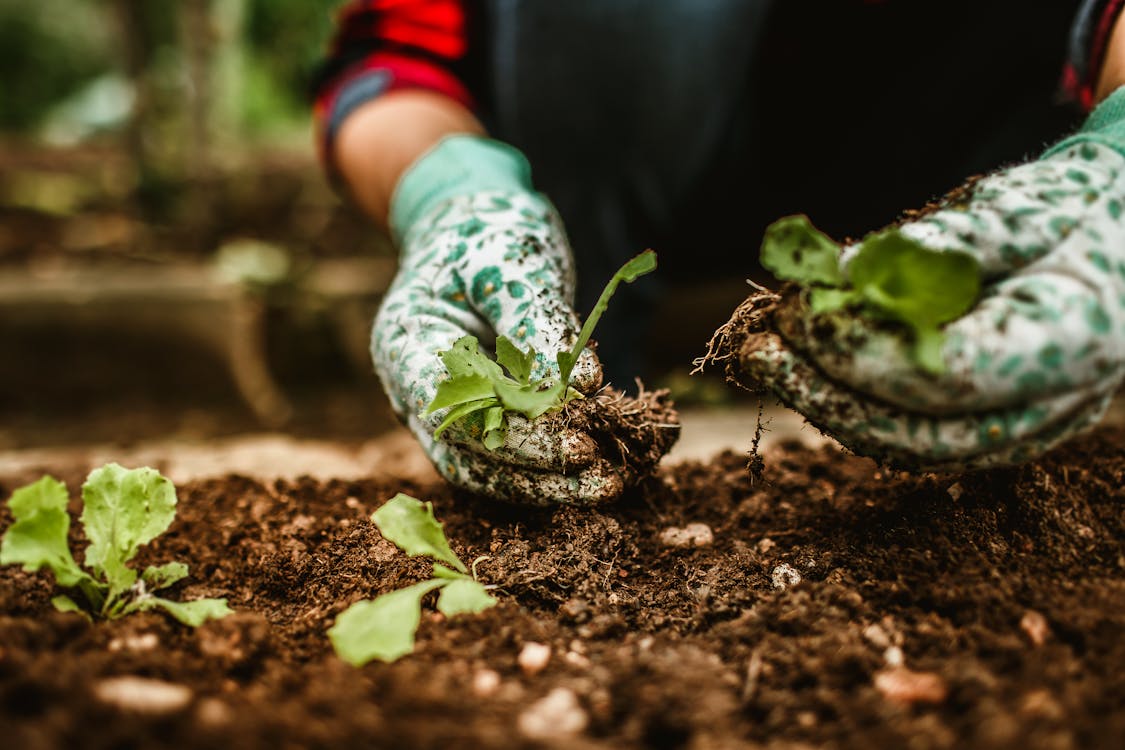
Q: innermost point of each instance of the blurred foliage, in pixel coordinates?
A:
(48, 50)
(51, 50)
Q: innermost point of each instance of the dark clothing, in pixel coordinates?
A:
(688, 125)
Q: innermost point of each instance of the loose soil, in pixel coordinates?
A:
(1002, 593)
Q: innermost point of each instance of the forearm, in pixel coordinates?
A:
(379, 140)
(1112, 75)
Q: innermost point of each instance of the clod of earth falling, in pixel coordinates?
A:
(785, 576)
(692, 535)
(556, 716)
(142, 695)
(534, 657)
(905, 686)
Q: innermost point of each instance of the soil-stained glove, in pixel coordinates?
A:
(1035, 361)
(483, 254)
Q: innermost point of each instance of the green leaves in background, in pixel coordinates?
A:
(122, 510)
(383, 628)
(891, 277)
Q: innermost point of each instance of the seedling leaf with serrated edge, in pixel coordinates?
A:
(123, 510)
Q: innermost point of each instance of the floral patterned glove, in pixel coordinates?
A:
(1035, 361)
(483, 254)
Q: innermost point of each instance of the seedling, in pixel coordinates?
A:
(478, 390)
(122, 510)
(383, 628)
(891, 277)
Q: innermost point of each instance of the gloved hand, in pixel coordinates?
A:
(483, 254)
(1034, 362)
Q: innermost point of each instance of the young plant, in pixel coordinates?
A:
(891, 277)
(479, 390)
(122, 510)
(383, 628)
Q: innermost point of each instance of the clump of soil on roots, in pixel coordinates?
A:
(832, 604)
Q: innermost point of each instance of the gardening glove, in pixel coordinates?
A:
(483, 254)
(1036, 360)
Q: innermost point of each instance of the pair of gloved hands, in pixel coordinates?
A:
(1035, 361)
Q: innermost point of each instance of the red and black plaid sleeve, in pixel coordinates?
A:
(1089, 40)
(384, 45)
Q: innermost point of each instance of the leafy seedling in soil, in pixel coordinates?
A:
(891, 277)
(383, 628)
(122, 510)
(480, 393)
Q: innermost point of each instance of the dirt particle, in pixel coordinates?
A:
(136, 643)
(955, 491)
(905, 686)
(212, 712)
(142, 695)
(692, 535)
(556, 716)
(1035, 627)
(1040, 704)
(485, 683)
(534, 658)
(785, 576)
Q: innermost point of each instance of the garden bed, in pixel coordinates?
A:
(837, 605)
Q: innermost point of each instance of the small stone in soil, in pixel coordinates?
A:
(142, 642)
(1035, 627)
(485, 683)
(142, 695)
(534, 657)
(785, 576)
(692, 535)
(905, 686)
(558, 715)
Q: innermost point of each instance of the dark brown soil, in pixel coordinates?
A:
(712, 647)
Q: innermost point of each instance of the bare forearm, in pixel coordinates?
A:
(381, 139)
(1112, 76)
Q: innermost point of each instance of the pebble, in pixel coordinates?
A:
(534, 657)
(485, 683)
(692, 535)
(905, 686)
(556, 716)
(955, 491)
(142, 695)
(1035, 627)
(785, 576)
(142, 642)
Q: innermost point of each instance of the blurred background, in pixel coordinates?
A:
(172, 263)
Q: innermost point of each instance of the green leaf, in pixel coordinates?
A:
(440, 571)
(464, 410)
(193, 613)
(917, 286)
(123, 509)
(464, 596)
(458, 390)
(518, 364)
(631, 271)
(63, 603)
(381, 628)
(410, 524)
(794, 250)
(465, 358)
(532, 400)
(158, 577)
(822, 300)
(495, 428)
(38, 538)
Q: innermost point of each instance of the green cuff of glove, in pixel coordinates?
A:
(1105, 125)
(457, 165)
